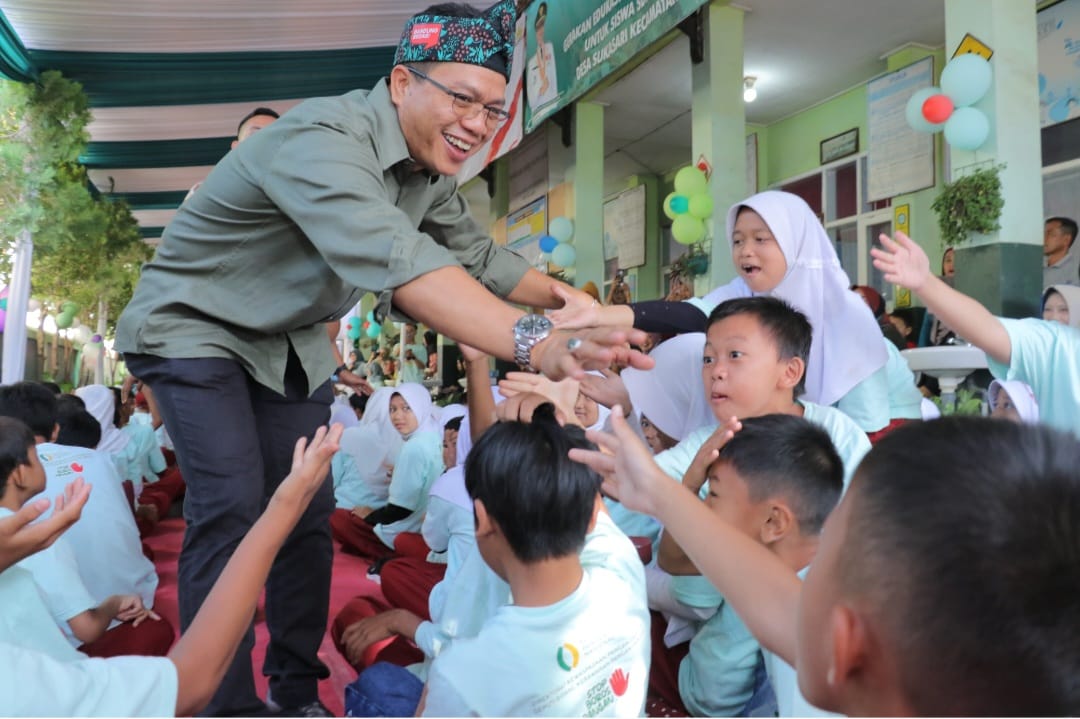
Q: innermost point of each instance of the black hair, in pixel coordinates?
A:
(69, 402)
(906, 314)
(542, 501)
(258, 111)
(788, 327)
(1068, 224)
(118, 406)
(51, 386)
(454, 424)
(358, 401)
(963, 538)
(16, 439)
(31, 403)
(781, 455)
(541, 15)
(79, 428)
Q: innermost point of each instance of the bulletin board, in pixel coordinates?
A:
(900, 160)
(624, 226)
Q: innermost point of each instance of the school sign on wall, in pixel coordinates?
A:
(571, 46)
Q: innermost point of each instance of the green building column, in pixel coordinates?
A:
(718, 121)
(589, 193)
(1004, 270)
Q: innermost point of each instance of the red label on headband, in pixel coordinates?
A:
(426, 34)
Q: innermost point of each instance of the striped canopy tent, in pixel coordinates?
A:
(169, 81)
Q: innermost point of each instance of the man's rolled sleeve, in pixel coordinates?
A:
(328, 181)
(449, 221)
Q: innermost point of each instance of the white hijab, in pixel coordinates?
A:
(602, 412)
(450, 485)
(1021, 395)
(451, 412)
(671, 393)
(1071, 295)
(418, 398)
(373, 443)
(101, 403)
(847, 345)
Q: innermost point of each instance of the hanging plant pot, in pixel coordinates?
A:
(970, 206)
(697, 262)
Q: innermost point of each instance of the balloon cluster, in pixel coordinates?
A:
(689, 206)
(355, 328)
(66, 318)
(558, 243)
(963, 83)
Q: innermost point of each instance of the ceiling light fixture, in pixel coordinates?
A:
(749, 93)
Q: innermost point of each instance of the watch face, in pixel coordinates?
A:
(533, 325)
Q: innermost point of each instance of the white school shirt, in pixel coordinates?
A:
(1045, 356)
(586, 655)
(25, 622)
(418, 465)
(350, 488)
(34, 683)
(140, 459)
(57, 576)
(105, 540)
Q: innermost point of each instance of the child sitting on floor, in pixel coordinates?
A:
(575, 641)
(84, 621)
(35, 683)
(926, 597)
(776, 481)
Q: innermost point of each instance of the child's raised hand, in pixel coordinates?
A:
(626, 465)
(696, 475)
(563, 394)
(608, 390)
(310, 466)
(579, 310)
(902, 261)
(19, 538)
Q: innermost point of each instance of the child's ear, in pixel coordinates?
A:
(849, 649)
(484, 524)
(778, 524)
(794, 368)
(55, 432)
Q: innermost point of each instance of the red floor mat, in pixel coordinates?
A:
(349, 579)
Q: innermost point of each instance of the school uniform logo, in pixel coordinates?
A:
(567, 656)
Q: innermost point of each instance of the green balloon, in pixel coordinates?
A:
(69, 308)
(701, 206)
(64, 320)
(668, 209)
(690, 181)
(687, 229)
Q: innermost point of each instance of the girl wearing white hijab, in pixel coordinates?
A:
(371, 532)
(134, 449)
(779, 248)
(1013, 400)
(361, 467)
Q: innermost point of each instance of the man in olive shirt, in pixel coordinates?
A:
(340, 196)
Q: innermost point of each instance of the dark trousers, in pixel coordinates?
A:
(234, 439)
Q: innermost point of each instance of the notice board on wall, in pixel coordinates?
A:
(624, 226)
(900, 160)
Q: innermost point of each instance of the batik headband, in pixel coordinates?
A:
(487, 41)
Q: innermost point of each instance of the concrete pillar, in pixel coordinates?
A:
(718, 119)
(589, 192)
(1004, 270)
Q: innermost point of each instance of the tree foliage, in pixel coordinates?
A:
(86, 247)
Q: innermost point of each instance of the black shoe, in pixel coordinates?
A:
(377, 565)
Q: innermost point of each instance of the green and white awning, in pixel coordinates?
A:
(168, 81)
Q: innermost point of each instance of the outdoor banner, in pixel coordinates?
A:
(572, 46)
(509, 134)
(1058, 28)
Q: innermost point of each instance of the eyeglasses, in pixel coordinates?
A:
(465, 107)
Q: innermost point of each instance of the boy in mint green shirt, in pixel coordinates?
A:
(1039, 352)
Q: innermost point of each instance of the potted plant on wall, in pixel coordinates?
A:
(970, 205)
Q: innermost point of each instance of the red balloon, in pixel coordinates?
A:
(937, 109)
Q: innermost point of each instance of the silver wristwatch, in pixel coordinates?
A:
(529, 331)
